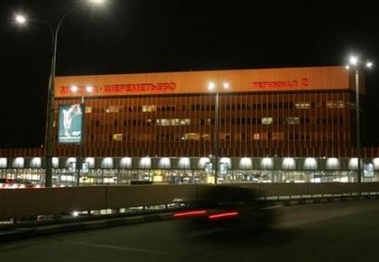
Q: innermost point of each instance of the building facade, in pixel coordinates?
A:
(266, 126)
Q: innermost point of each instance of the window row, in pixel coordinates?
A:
(230, 121)
(211, 107)
(195, 136)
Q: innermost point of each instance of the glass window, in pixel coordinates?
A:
(292, 120)
(88, 109)
(149, 108)
(266, 120)
(113, 109)
(192, 136)
(117, 137)
(206, 137)
(302, 105)
(173, 122)
(335, 104)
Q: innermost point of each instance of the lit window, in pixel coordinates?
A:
(191, 136)
(173, 122)
(256, 136)
(335, 104)
(292, 120)
(302, 105)
(267, 120)
(88, 109)
(3, 162)
(185, 122)
(113, 109)
(206, 137)
(149, 108)
(117, 137)
(165, 122)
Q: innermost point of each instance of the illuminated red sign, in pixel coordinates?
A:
(304, 82)
(113, 89)
(143, 87)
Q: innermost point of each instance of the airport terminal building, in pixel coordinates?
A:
(256, 125)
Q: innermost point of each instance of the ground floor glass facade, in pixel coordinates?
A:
(176, 170)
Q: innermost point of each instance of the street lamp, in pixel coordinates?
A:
(83, 91)
(354, 63)
(49, 139)
(214, 88)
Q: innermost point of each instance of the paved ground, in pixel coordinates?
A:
(345, 231)
(22, 232)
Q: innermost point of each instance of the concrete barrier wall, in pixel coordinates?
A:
(129, 196)
(28, 202)
(32, 202)
(294, 189)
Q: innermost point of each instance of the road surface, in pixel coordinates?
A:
(340, 231)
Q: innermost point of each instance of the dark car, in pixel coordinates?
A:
(227, 208)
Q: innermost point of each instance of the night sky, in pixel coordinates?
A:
(139, 36)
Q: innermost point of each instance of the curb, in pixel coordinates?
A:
(44, 230)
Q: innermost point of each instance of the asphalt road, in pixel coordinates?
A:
(342, 231)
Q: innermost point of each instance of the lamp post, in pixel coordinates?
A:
(213, 87)
(83, 91)
(354, 62)
(49, 137)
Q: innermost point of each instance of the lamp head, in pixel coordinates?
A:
(355, 62)
(20, 19)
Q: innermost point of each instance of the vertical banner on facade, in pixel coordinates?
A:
(368, 170)
(70, 127)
